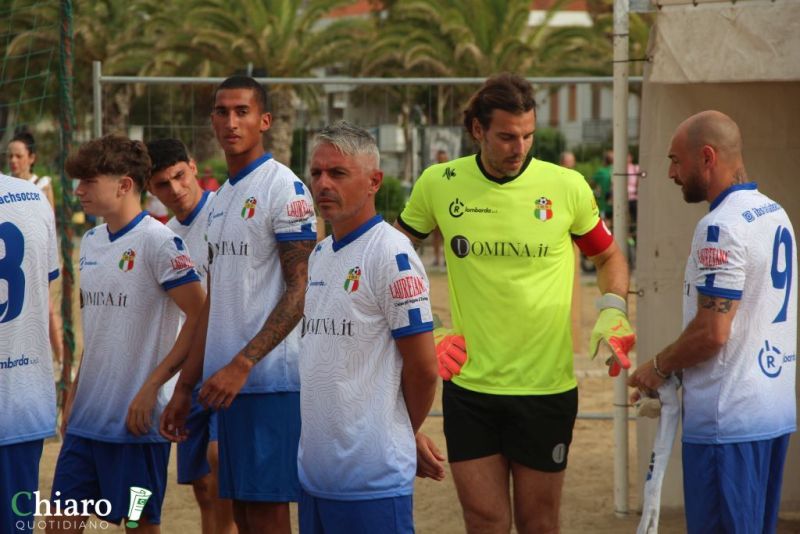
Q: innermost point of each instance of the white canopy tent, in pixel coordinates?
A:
(743, 59)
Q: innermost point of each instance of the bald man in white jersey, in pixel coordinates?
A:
(737, 349)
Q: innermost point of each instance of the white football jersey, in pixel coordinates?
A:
(264, 204)
(28, 262)
(744, 249)
(129, 323)
(364, 291)
(193, 232)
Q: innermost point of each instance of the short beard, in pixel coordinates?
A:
(693, 189)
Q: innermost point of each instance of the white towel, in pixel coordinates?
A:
(659, 458)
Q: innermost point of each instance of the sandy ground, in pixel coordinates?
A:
(588, 496)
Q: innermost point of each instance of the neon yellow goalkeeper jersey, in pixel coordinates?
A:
(510, 267)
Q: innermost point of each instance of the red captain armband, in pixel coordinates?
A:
(595, 241)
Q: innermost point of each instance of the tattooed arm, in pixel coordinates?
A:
(701, 340)
(222, 387)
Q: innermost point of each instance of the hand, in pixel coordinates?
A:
(451, 352)
(645, 378)
(173, 419)
(140, 412)
(223, 386)
(613, 328)
(429, 459)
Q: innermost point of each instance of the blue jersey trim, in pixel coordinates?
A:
(52, 275)
(190, 219)
(355, 234)
(250, 167)
(298, 188)
(127, 228)
(303, 235)
(709, 291)
(191, 276)
(749, 186)
(712, 234)
(412, 329)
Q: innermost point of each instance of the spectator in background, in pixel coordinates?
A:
(21, 157)
(207, 181)
(567, 159)
(633, 190)
(601, 184)
(155, 208)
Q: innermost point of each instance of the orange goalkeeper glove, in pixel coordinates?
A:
(451, 352)
(614, 329)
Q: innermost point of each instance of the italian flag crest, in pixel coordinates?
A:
(351, 282)
(249, 208)
(544, 209)
(126, 263)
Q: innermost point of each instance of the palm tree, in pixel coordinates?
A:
(280, 38)
(104, 30)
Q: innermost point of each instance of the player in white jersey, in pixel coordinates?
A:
(368, 367)
(174, 182)
(28, 262)
(737, 349)
(261, 229)
(21, 159)
(136, 279)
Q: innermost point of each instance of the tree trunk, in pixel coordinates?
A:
(117, 110)
(284, 114)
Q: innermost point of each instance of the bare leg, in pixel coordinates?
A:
(222, 508)
(262, 517)
(537, 499)
(483, 490)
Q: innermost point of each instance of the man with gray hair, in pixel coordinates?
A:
(368, 370)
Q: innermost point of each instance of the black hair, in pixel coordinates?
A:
(165, 153)
(245, 82)
(26, 138)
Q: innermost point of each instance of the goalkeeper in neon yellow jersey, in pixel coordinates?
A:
(509, 223)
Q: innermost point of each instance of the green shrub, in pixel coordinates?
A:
(391, 198)
(548, 145)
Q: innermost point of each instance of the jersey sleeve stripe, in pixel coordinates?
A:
(303, 235)
(52, 275)
(415, 325)
(298, 188)
(412, 329)
(407, 228)
(712, 234)
(191, 276)
(733, 294)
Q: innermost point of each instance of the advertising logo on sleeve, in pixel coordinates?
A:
(249, 209)
(299, 209)
(544, 209)
(127, 261)
(351, 282)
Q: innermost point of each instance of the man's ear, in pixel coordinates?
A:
(477, 129)
(126, 185)
(266, 121)
(708, 155)
(375, 181)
